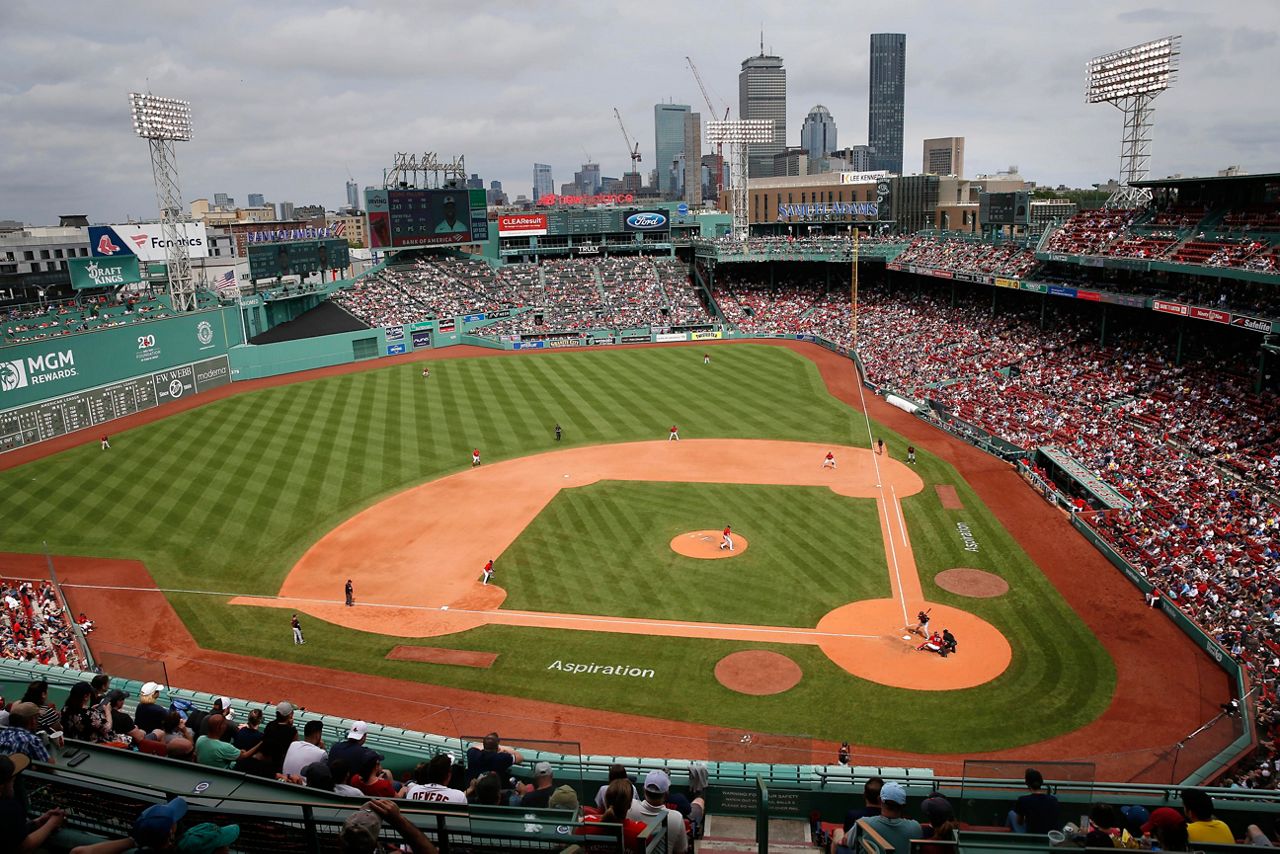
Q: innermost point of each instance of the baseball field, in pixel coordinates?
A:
(260, 505)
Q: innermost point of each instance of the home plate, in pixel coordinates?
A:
(444, 607)
(906, 637)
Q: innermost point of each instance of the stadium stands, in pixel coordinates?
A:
(956, 254)
(34, 626)
(86, 314)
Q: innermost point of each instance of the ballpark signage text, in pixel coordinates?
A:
(826, 210)
(601, 669)
(21, 373)
(103, 273)
(966, 535)
(524, 225)
(647, 221)
(146, 240)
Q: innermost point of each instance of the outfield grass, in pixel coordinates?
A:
(227, 497)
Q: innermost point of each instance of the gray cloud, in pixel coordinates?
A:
(290, 95)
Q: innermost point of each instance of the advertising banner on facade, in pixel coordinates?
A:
(421, 338)
(706, 336)
(145, 240)
(522, 225)
(103, 272)
(668, 337)
(647, 221)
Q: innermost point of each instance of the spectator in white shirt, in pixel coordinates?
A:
(431, 782)
(302, 753)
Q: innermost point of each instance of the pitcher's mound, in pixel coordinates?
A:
(977, 583)
(706, 544)
(757, 672)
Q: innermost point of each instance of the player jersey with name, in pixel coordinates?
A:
(433, 793)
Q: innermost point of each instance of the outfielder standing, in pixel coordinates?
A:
(726, 540)
(106, 442)
(911, 453)
(475, 457)
(297, 630)
(675, 434)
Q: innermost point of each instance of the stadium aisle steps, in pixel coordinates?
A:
(727, 834)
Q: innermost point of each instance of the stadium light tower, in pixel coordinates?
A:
(1129, 80)
(738, 134)
(163, 122)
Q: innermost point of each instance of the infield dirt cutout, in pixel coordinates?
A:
(757, 672)
(977, 583)
(455, 523)
(706, 545)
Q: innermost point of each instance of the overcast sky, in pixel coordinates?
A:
(290, 97)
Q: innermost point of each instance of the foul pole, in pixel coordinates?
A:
(853, 290)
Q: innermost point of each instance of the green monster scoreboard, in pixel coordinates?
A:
(297, 258)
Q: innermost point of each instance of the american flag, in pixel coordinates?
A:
(226, 282)
(338, 228)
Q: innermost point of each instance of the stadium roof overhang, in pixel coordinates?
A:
(1221, 180)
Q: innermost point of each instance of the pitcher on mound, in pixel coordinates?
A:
(726, 540)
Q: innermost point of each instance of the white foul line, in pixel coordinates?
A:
(902, 524)
(797, 631)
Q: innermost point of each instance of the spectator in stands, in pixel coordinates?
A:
(100, 684)
(870, 803)
(276, 738)
(1201, 824)
(1170, 830)
(156, 829)
(890, 824)
(50, 719)
(353, 749)
(209, 838)
(1036, 811)
(173, 727)
(374, 780)
(485, 789)
(654, 808)
(122, 725)
(181, 749)
(1104, 830)
(302, 753)
(618, 798)
(564, 798)
(431, 782)
(20, 736)
(248, 734)
(538, 795)
(318, 776)
(149, 715)
(17, 833)
(362, 832)
(212, 750)
(940, 823)
(343, 774)
(82, 721)
(491, 756)
(616, 772)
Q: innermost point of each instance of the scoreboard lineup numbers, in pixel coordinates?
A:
(297, 257)
(400, 218)
(48, 419)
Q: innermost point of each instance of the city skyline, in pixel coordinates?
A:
(245, 68)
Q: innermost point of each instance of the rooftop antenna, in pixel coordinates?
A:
(762, 38)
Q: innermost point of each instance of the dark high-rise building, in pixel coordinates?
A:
(762, 94)
(543, 184)
(885, 104)
(668, 143)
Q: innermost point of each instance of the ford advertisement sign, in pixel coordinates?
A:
(647, 221)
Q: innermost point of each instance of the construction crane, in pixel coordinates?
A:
(719, 176)
(633, 150)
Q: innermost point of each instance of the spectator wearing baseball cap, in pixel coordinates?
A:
(939, 824)
(890, 824)
(157, 827)
(150, 715)
(1201, 824)
(209, 838)
(276, 738)
(16, 832)
(353, 748)
(362, 831)
(653, 808)
(1036, 811)
(20, 737)
(1169, 827)
(538, 796)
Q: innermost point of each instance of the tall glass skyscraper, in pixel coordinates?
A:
(543, 185)
(668, 143)
(762, 94)
(885, 104)
(818, 133)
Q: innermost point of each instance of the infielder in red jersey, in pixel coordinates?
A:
(488, 571)
(830, 461)
(726, 540)
(475, 457)
(675, 434)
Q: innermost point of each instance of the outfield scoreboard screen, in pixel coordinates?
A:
(402, 218)
(297, 258)
(1005, 208)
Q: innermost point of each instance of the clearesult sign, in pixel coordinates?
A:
(87, 273)
(522, 225)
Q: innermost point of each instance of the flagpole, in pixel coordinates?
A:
(853, 288)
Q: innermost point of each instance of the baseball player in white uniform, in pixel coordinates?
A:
(830, 461)
(726, 539)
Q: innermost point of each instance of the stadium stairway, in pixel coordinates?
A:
(727, 834)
